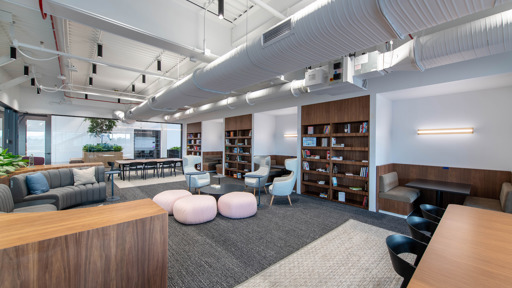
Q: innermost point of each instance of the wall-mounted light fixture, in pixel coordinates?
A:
(446, 131)
(290, 135)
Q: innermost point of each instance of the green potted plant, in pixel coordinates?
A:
(9, 162)
(101, 152)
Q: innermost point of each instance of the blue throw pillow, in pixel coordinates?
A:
(37, 183)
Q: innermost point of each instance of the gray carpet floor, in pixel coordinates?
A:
(226, 252)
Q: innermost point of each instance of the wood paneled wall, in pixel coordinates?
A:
(484, 183)
(119, 245)
(280, 158)
(346, 110)
(194, 127)
(241, 122)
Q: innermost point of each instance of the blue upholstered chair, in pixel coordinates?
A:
(263, 170)
(194, 181)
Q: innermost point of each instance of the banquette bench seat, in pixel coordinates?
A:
(394, 198)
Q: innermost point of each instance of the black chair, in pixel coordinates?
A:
(421, 229)
(167, 164)
(398, 244)
(135, 166)
(112, 168)
(152, 165)
(431, 212)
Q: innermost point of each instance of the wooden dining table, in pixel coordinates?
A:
(470, 248)
(440, 187)
(122, 163)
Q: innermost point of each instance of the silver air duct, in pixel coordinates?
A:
(322, 31)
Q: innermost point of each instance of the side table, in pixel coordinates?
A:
(259, 187)
(113, 198)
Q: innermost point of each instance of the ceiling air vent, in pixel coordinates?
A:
(277, 32)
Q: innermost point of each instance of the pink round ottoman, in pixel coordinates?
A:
(166, 199)
(237, 205)
(195, 209)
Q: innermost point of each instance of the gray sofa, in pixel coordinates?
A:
(62, 189)
(7, 204)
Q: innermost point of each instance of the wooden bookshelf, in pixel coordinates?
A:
(238, 146)
(194, 138)
(335, 145)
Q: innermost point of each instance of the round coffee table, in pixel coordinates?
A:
(219, 190)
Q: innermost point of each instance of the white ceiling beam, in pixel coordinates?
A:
(13, 82)
(269, 9)
(170, 25)
(6, 59)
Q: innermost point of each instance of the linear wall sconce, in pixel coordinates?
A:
(290, 135)
(446, 131)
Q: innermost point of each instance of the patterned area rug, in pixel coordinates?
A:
(136, 180)
(352, 255)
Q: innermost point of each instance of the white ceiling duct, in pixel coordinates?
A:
(485, 37)
(323, 31)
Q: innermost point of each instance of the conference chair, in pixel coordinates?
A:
(135, 166)
(283, 186)
(263, 170)
(398, 244)
(421, 229)
(194, 181)
(431, 212)
(167, 164)
(151, 165)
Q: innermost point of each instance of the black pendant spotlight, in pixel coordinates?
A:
(93, 68)
(159, 65)
(86, 96)
(143, 78)
(25, 70)
(32, 81)
(221, 9)
(100, 50)
(133, 88)
(90, 81)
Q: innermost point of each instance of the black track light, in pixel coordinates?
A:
(13, 52)
(133, 88)
(118, 100)
(93, 68)
(25, 70)
(159, 65)
(32, 81)
(90, 81)
(221, 9)
(86, 96)
(100, 50)
(38, 91)
(143, 78)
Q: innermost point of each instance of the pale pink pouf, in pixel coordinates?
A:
(166, 199)
(195, 209)
(237, 205)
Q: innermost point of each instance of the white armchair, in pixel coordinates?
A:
(264, 169)
(194, 181)
(283, 186)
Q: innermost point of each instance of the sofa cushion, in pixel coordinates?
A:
(37, 184)
(484, 203)
(388, 181)
(506, 197)
(403, 194)
(85, 176)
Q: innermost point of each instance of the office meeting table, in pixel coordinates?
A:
(440, 187)
(470, 248)
(122, 163)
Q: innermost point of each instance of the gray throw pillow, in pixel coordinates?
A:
(84, 176)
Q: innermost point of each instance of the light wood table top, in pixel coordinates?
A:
(123, 162)
(471, 248)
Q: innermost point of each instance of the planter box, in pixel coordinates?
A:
(103, 157)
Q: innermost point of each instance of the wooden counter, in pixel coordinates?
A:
(5, 179)
(119, 245)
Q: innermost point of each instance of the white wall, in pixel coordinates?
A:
(285, 145)
(212, 136)
(263, 134)
(487, 111)
(383, 131)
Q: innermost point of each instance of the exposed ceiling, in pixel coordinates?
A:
(178, 34)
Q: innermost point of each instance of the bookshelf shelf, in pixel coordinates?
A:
(326, 127)
(238, 145)
(194, 139)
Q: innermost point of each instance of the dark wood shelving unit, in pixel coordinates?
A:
(238, 146)
(194, 138)
(335, 138)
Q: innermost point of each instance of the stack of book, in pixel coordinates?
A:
(363, 172)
